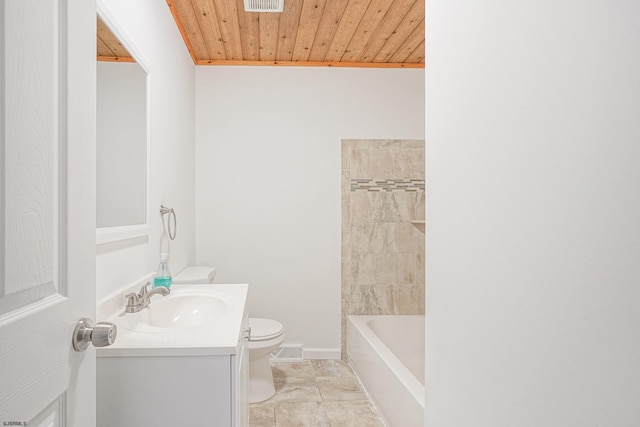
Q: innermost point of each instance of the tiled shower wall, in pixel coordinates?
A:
(383, 241)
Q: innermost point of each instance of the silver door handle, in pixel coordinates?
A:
(101, 334)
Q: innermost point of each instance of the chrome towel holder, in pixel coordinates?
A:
(169, 212)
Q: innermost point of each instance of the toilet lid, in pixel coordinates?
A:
(264, 329)
(195, 275)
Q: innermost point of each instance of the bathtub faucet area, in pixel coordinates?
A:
(137, 302)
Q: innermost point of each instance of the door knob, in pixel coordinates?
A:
(101, 334)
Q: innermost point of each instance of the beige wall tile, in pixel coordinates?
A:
(408, 299)
(346, 297)
(347, 275)
(385, 206)
(373, 299)
(344, 312)
(402, 168)
(406, 238)
(381, 163)
(361, 207)
(386, 143)
(383, 272)
(414, 160)
(373, 238)
(413, 143)
(346, 215)
(420, 205)
(420, 269)
(382, 238)
(345, 185)
(384, 268)
(358, 143)
(361, 271)
(360, 237)
(405, 202)
(345, 154)
(421, 237)
(405, 272)
(346, 247)
(360, 163)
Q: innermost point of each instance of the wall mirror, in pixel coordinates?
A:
(122, 136)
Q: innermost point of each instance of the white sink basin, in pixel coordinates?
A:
(176, 311)
(193, 320)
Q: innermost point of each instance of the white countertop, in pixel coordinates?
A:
(219, 337)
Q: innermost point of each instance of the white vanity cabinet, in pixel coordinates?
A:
(164, 381)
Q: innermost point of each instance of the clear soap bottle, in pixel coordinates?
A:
(163, 275)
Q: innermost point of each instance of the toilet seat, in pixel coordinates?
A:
(264, 329)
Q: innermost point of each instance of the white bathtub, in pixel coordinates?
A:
(387, 353)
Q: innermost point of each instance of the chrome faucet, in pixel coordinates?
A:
(136, 302)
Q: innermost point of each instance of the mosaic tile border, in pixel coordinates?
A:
(380, 185)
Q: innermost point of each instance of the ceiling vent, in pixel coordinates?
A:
(263, 5)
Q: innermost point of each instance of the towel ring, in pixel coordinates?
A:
(164, 211)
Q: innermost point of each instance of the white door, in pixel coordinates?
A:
(47, 210)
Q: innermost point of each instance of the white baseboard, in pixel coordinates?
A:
(322, 353)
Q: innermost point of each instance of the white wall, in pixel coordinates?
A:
(268, 179)
(533, 213)
(149, 26)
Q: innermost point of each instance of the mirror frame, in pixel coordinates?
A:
(127, 232)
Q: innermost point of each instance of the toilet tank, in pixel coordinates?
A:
(195, 274)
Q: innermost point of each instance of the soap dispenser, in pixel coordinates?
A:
(163, 276)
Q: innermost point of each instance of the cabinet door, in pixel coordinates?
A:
(240, 381)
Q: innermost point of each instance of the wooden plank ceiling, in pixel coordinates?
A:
(109, 47)
(352, 33)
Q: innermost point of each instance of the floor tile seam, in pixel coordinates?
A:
(342, 395)
(341, 400)
(297, 401)
(337, 415)
(261, 405)
(278, 398)
(324, 378)
(358, 402)
(353, 402)
(321, 375)
(292, 380)
(332, 388)
(339, 370)
(319, 408)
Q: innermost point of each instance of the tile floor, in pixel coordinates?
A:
(315, 393)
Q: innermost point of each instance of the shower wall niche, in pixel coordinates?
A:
(383, 230)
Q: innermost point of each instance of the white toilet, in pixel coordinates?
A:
(266, 336)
